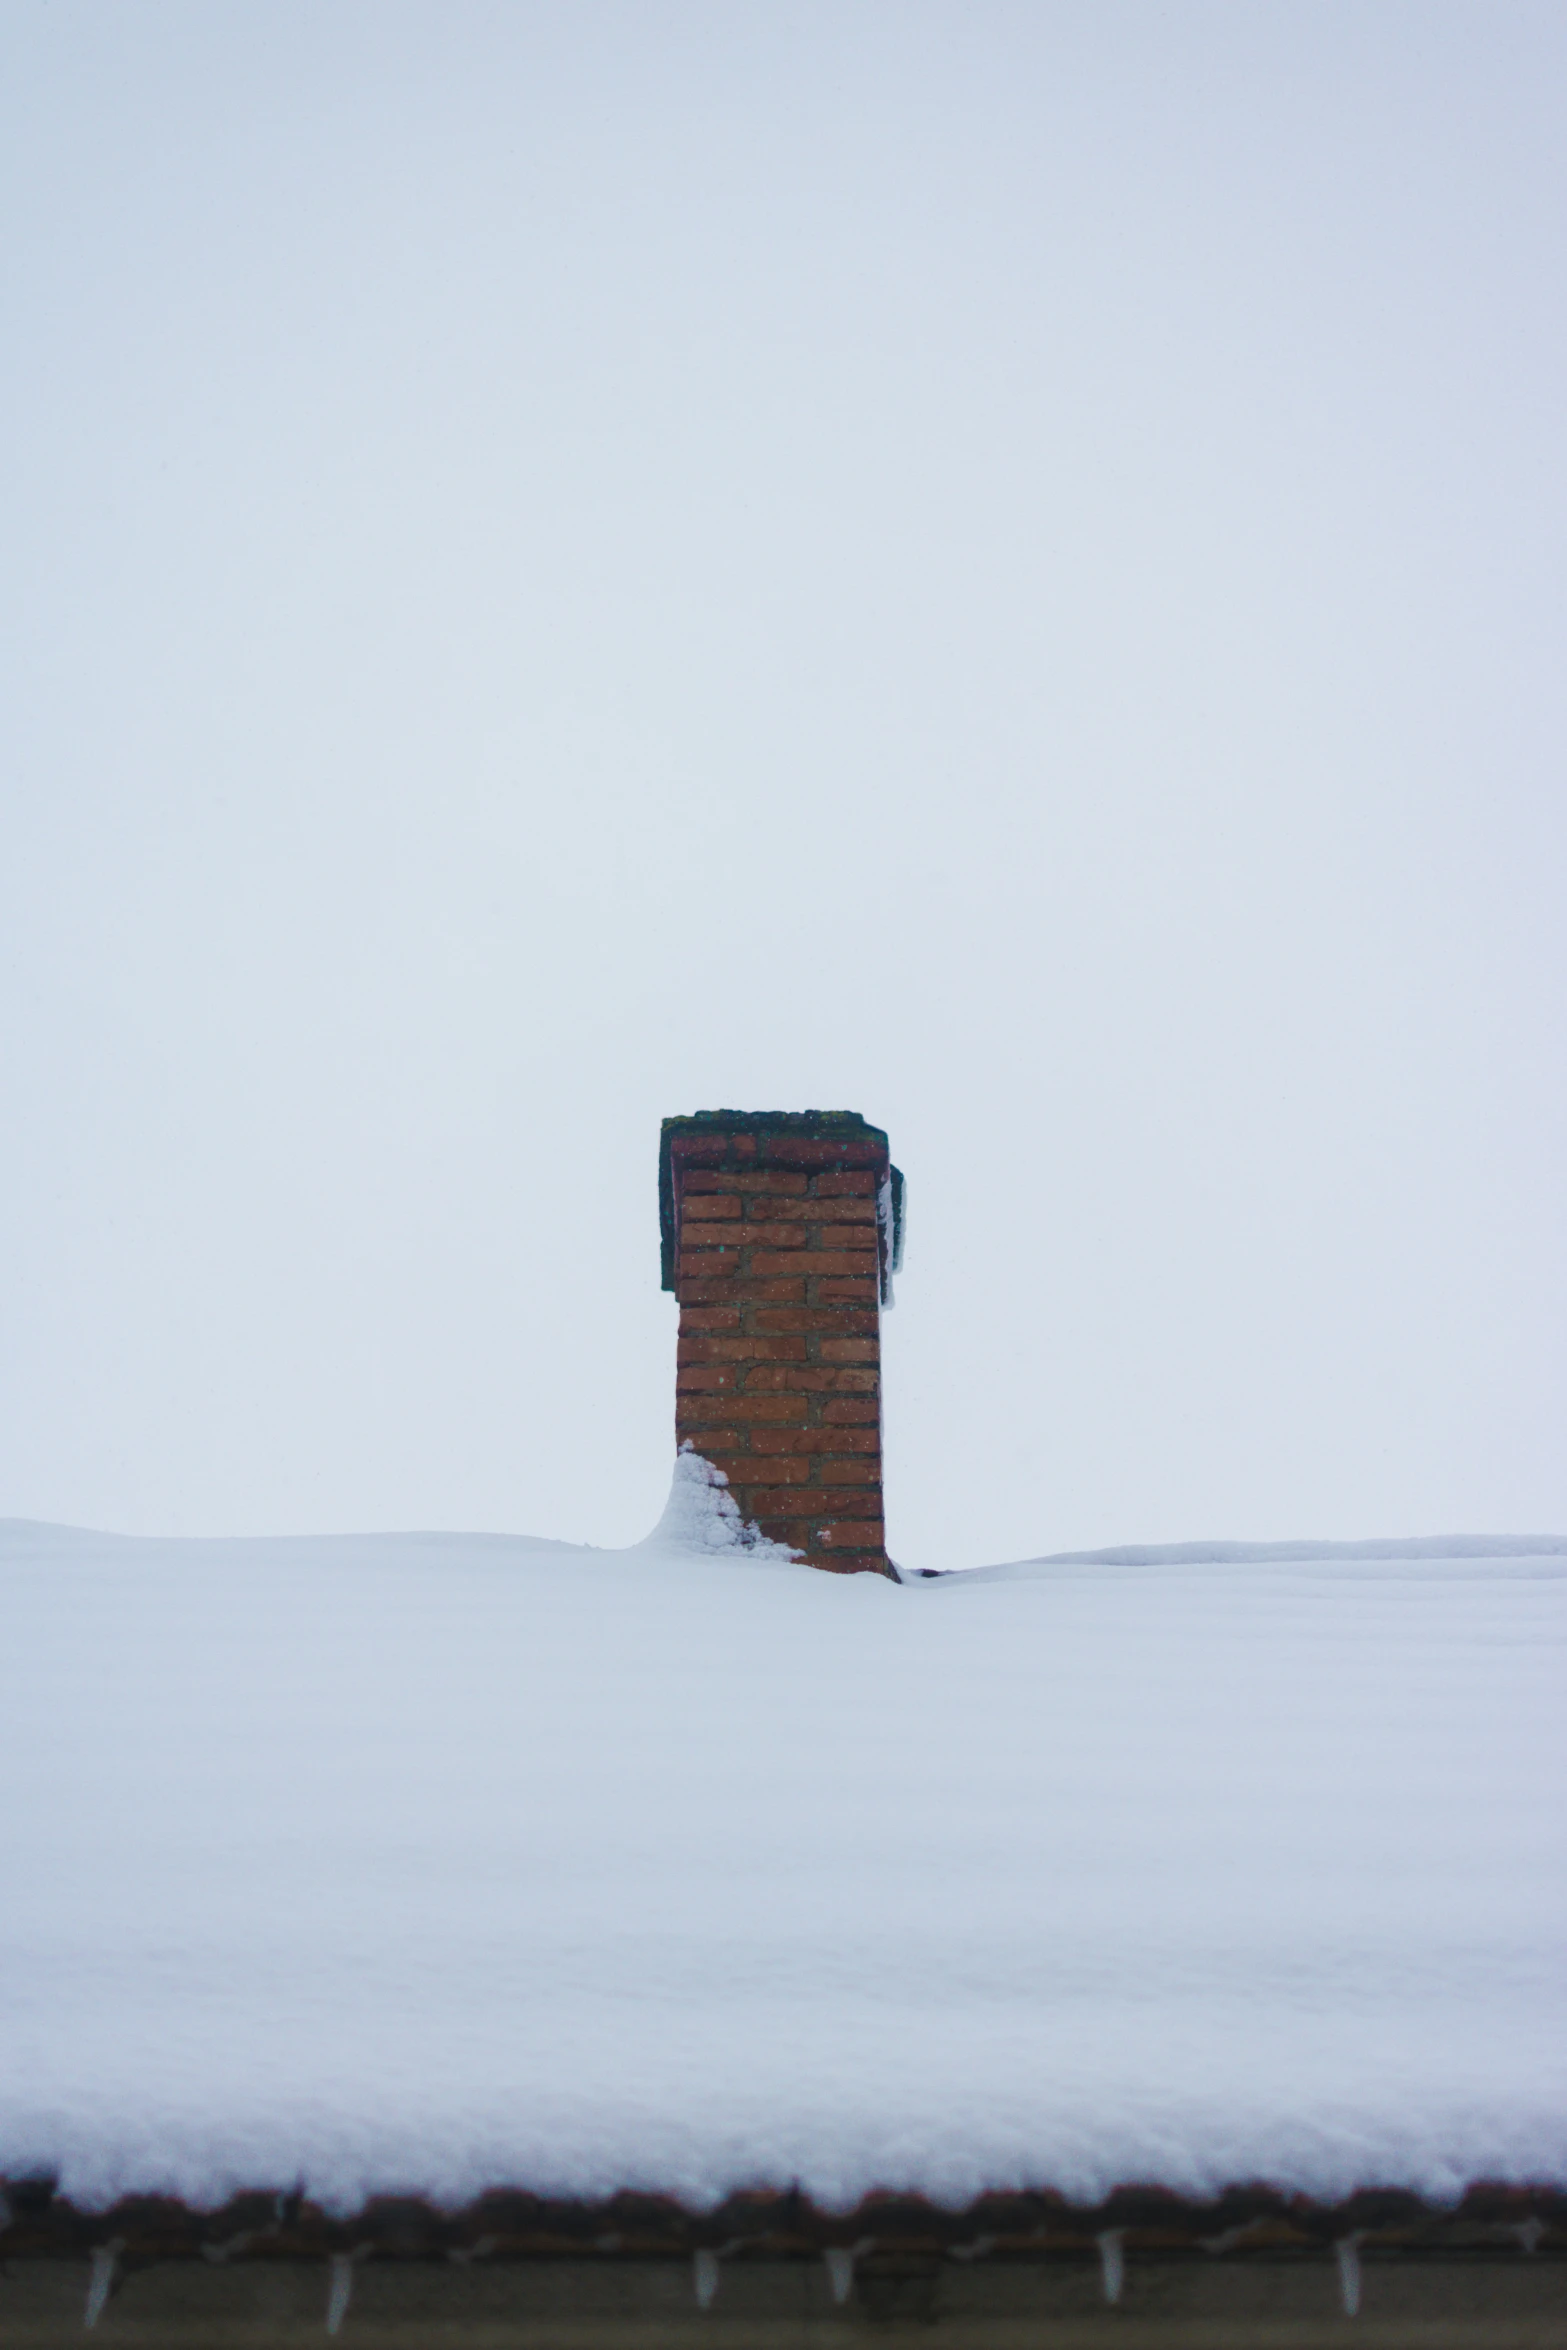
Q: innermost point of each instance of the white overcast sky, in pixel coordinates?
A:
(996, 566)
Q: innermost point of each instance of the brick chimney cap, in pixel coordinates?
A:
(816, 1139)
(825, 1122)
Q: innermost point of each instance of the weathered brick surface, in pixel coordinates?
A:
(771, 1180)
(707, 1264)
(717, 1150)
(707, 1378)
(831, 1502)
(830, 1320)
(742, 1411)
(800, 1151)
(773, 1249)
(815, 1261)
(734, 1291)
(827, 1439)
(858, 1212)
(745, 1472)
(721, 1447)
(742, 1346)
(815, 1379)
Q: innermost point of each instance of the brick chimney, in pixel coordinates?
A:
(781, 1232)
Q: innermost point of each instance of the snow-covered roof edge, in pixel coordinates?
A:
(1410, 1549)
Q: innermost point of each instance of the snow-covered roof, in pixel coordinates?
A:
(429, 1863)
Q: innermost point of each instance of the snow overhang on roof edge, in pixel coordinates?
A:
(36, 2222)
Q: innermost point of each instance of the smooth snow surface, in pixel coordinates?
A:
(431, 1862)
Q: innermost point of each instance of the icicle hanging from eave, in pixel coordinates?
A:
(340, 2287)
(1347, 2251)
(104, 2261)
(840, 2260)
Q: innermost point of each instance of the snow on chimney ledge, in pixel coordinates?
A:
(782, 1230)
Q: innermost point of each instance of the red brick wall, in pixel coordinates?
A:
(778, 1270)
